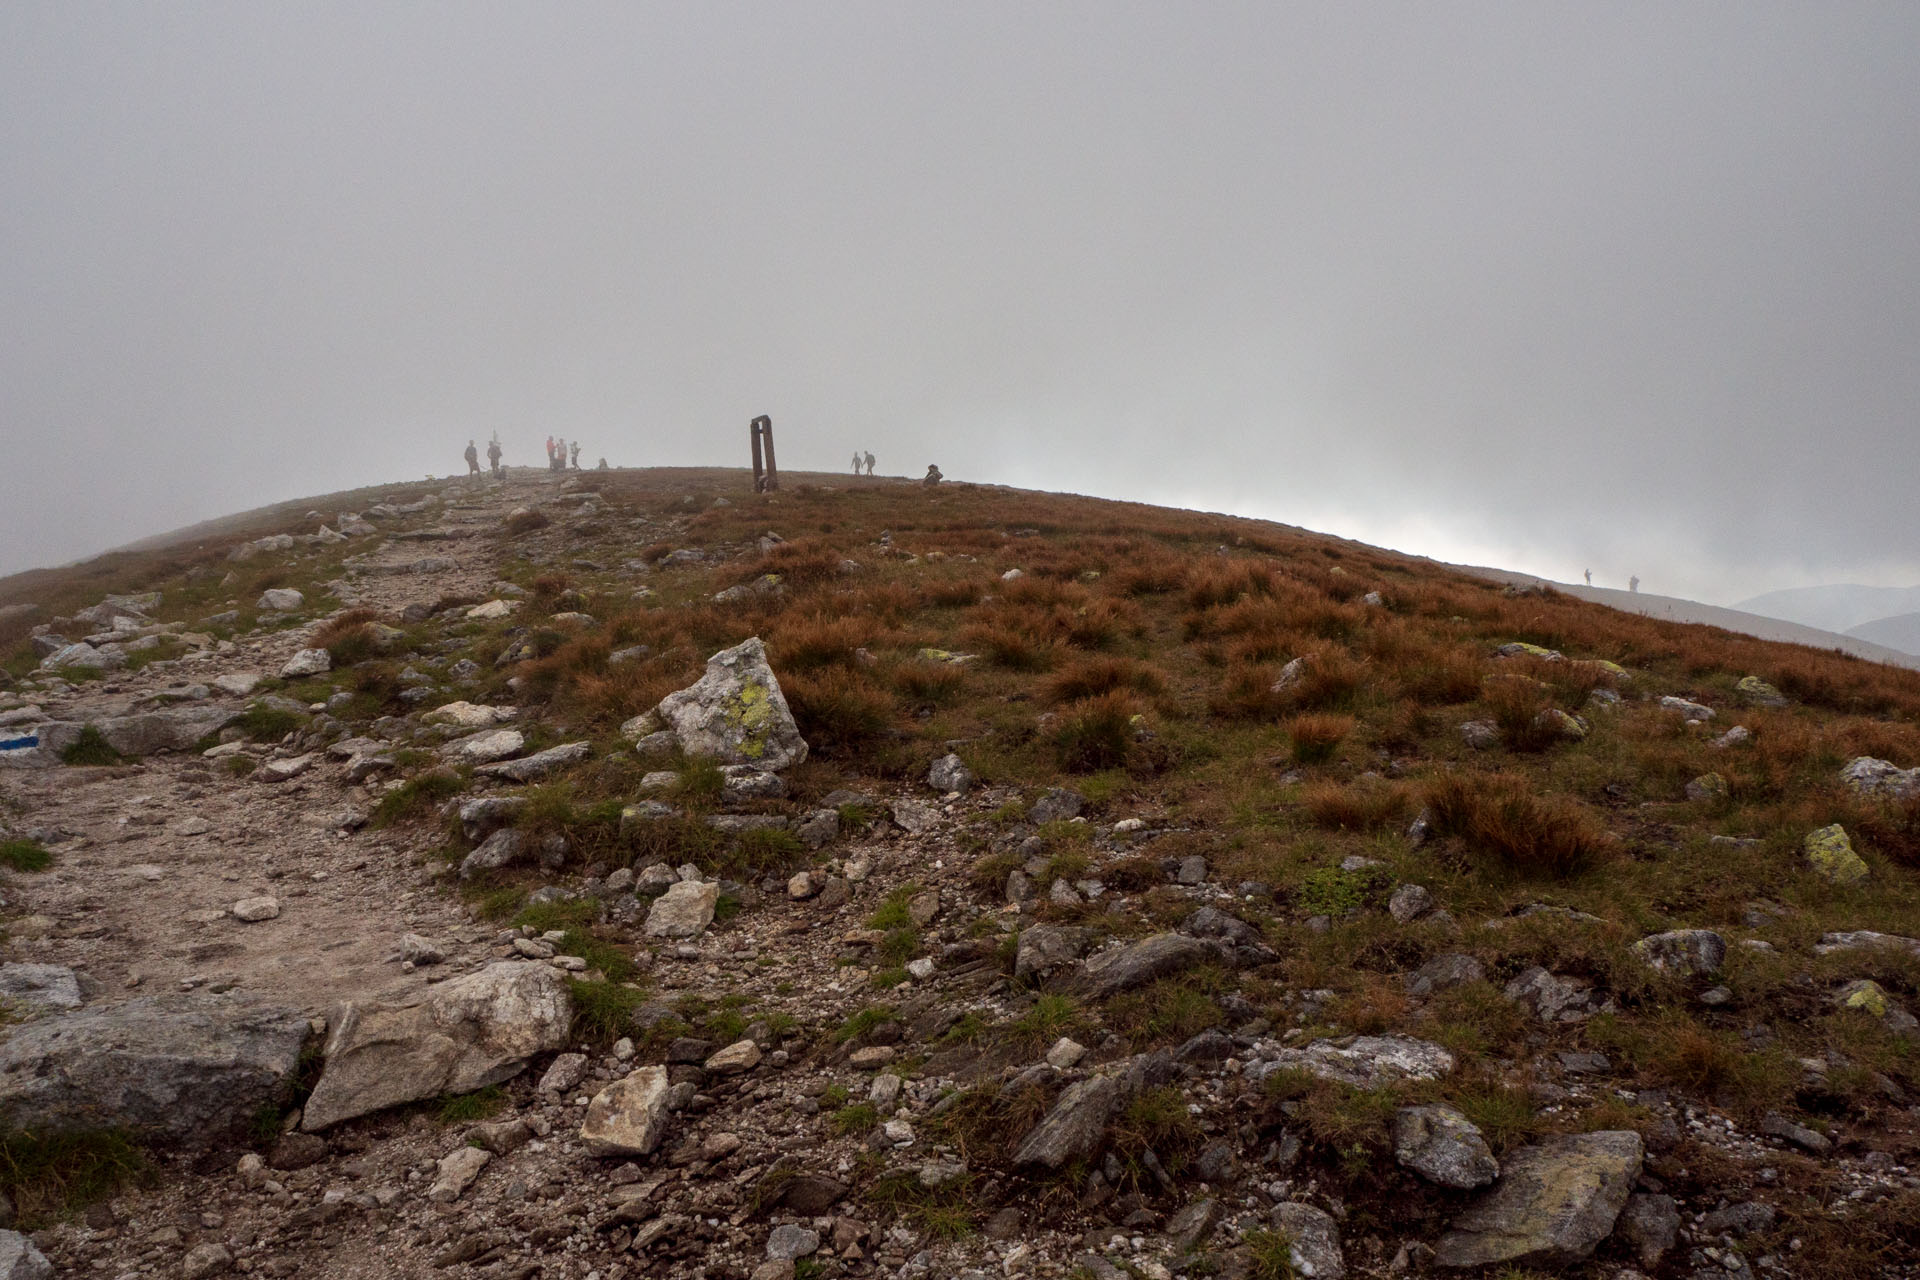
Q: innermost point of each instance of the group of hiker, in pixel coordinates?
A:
(557, 451)
(860, 460)
(493, 458)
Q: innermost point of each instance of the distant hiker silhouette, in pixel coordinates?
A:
(493, 455)
(473, 459)
(576, 455)
(933, 475)
(869, 465)
(1589, 577)
(1633, 583)
(856, 462)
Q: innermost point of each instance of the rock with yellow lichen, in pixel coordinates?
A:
(734, 714)
(1830, 855)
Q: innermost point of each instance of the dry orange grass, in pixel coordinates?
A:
(1359, 806)
(1090, 677)
(1316, 737)
(1509, 826)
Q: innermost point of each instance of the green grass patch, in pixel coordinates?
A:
(262, 723)
(863, 1022)
(858, 1118)
(416, 795)
(90, 748)
(603, 1011)
(24, 855)
(465, 1108)
(52, 1177)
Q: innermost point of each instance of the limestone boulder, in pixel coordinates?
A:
(1683, 951)
(191, 1067)
(629, 1116)
(539, 764)
(1553, 1205)
(1075, 1126)
(1044, 948)
(949, 774)
(461, 1035)
(1756, 692)
(283, 599)
(147, 733)
(1364, 1062)
(684, 910)
(1313, 1241)
(307, 662)
(1874, 777)
(735, 713)
(1443, 1146)
(36, 988)
(1136, 964)
(20, 1260)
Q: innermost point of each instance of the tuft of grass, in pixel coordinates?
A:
(416, 795)
(858, 1118)
(603, 1011)
(262, 723)
(1095, 734)
(522, 522)
(53, 1176)
(90, 748)
(465, 1108)
(1316, 736)
(863, 1022)
(24, 855)
(1505, 819)
(1272, 1253)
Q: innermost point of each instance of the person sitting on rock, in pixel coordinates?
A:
(473, 459)
(933, 475)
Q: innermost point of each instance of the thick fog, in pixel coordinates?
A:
(1627, 287)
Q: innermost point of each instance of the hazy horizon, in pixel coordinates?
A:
(1630, 289)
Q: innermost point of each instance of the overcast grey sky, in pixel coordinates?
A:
(1633, 287)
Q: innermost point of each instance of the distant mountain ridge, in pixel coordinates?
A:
(1835, 607)
(1901, 631)
(1674, 609)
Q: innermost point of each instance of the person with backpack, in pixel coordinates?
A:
(473, 459)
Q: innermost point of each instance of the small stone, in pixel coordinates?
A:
(253, 910)
(789, 1241)
(307, 662)
(458, 1169)
(1409, 902)
(564, 1073)
(201, 1261)
(1443, 1146)
(741, 1055)
(684, 910)
(1314, 1241)
(950, 774)
(1065, 1053)
(920, 969)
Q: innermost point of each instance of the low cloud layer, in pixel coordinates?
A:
(1630, 288)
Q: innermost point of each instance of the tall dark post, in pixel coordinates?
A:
(761, 429)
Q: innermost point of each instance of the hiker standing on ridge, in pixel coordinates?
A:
(856, 462)
(869, 465)
(473, 459)
(1589, 577)
(493, 456)
(576, 455)
(1633, 583)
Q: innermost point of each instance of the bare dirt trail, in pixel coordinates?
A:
(152, 855)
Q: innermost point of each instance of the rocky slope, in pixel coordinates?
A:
(461, 886)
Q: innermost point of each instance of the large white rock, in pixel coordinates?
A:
(284, 599)
(462, 1035)
(684, 910)
(469, 715)
(191, 1067)
(481, 748)
(629, 1116)
(307, 662)
(48, 986)
(734, 714)
(20, 1260)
